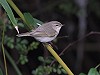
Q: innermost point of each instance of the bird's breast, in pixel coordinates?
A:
(45, 39)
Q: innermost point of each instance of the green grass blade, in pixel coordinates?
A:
(7, 8)
(32, 22)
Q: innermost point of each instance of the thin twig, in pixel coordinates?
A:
(3, 51)
(71, 44)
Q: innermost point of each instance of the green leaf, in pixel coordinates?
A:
(32, 21)
(33, 45)
(24, 42)
(63, 70)
(1, 73)
(7, 8)
(10, 45)
(1, 22)
(93, 71)
(58, 71)
(82, 74)
(23, 59)
(54, 70)
(40, 58)
(48, 61)
(11, 40)
(18, 40)
(37, 21)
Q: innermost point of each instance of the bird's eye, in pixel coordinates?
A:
(57, 25)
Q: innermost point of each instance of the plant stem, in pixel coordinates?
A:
(8, 56)
(3, 51)
(18, 12)
(16, 9)
(13, 63)
(59, 59)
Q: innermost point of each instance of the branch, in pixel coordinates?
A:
(50, 49)
(71, 44)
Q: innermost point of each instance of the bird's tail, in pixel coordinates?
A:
(23, 34)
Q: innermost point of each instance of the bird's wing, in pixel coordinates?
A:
(42, 33)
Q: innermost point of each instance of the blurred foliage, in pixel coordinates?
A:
(93, 6)
(45, 69)
(1, 73)
(23, 46)
(92, 71)
(68, 7)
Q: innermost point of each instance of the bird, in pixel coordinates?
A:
(44, 33)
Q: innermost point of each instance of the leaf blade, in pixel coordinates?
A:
(32, 22)
(10, 14)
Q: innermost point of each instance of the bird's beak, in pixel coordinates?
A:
(62, 25)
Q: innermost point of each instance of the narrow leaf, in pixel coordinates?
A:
(10, 14)
(33, 22)
(82, 74)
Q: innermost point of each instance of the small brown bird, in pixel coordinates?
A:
(44, 33)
